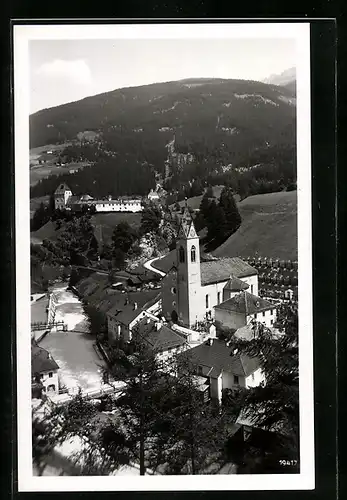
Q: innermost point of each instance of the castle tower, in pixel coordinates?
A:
(61, 196)
(188, 271)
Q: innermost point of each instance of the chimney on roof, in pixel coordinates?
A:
(135, 306)
(235, 351)
(158, 325)
(210, 341)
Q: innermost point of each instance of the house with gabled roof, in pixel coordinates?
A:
(128, 309)
(223, 367)
(243, 308)
(161, 337)
(44, 370)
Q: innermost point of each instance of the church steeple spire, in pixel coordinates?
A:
(187, 228)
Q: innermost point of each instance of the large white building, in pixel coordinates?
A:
(65, 200)
(222, 289)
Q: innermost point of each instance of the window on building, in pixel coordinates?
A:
(218, 298)
(193, 254)
(207, 301)
(236, 379)
(271, 312)
(272, 321)
(254, 316)
(50, 374)
(253, 376)
(181, 254)
(263, 313)
(251, 288)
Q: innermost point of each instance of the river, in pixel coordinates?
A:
(79, 364)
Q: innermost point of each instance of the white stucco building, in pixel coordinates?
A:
(44, 369)
(221, 367)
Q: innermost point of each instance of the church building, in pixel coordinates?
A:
(192, 289)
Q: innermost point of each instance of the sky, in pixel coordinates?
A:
(63, 71)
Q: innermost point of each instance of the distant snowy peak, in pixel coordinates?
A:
(285, 78)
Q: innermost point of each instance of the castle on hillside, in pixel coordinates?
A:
(65, 200)
(224, 290)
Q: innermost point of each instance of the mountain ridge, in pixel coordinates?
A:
(108, 109)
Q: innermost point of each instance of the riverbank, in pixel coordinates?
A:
(79, 364)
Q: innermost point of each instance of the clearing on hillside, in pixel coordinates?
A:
(268, 229)
(104, 224)
(195, 201)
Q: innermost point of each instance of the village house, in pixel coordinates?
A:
(219, 366)
(164, 341)
(153, 195)
(242, 308)
(128, 310)
(44, 370)
(193, 291)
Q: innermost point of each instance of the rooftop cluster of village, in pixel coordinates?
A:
(199, 310)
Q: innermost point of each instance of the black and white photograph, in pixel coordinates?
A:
(163, 256)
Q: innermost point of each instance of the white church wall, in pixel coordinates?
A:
(229, 294)
(252, 281)
(212, 291)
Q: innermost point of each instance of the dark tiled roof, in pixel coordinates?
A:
(38, 310)
(246, 303)
(235, 284)
(162, 339)
(222, 269)
(219, 357)
(41, 360)
(62, 188)
(73, 199)
(125, 312)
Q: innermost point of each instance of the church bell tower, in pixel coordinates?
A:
(188, 271)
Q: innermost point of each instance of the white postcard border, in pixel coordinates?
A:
(22, 35)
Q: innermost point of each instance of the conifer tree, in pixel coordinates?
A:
(275, 405)
(232, 215)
